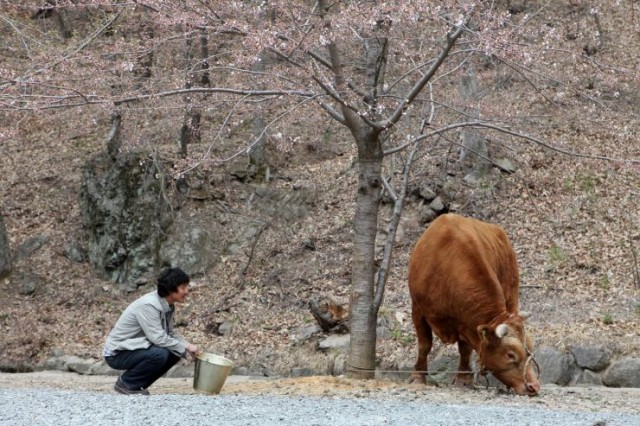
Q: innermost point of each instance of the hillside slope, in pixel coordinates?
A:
(574, 222)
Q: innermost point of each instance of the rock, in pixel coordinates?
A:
(27, 283)
(29, 247)
(302, 372)
(75, 252)
(335, 341)
(591, 357)
(623, 374)
(555, 367)
(437, 205)
(241, 371)
(81, 367)
(182, 369)
(304, 333)
(125, 216)
(471, 179)
(442, 367)
(101, 368)
(505, 165)
(16, 368)
(226, 328)
(194, 249)
(425, 193)
(54, 363)
(427, 215)
(587, 377)
(339, 365)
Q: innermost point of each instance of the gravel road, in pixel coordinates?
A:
(69, 399)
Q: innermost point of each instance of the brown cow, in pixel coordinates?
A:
(463, 280)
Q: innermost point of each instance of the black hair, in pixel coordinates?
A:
(170, 279)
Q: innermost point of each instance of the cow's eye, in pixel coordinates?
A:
(513, 358)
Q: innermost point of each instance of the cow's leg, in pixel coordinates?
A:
(464, 376)
(425, 341)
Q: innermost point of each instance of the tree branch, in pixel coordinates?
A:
(417, 88)
(75, 50)
(240, 92)
(508, 132)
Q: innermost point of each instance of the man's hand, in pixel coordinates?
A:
(193, 350)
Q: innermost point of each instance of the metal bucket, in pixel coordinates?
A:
(211, 372)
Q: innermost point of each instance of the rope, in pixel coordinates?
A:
(429, 372)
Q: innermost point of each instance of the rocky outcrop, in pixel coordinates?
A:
(125, 215)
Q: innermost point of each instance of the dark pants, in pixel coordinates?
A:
(144, 366)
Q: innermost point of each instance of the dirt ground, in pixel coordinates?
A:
(598, 399)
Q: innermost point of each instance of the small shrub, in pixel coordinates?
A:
(607, 319)
(605, 283)
(557, 255)
(405, 339)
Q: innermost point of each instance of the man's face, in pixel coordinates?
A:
(181, 293)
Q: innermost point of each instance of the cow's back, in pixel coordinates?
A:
(462, 273)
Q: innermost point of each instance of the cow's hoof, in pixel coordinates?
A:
(420, 379)
(463, 380)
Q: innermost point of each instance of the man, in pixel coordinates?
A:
(143, 342)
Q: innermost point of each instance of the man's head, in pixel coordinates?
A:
(173, 282)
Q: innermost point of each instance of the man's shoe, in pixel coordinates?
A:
(120, 388)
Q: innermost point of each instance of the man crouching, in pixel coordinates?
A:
(143, 342)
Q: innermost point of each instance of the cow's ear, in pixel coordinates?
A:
(484, 331)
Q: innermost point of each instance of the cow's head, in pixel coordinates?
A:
(506, 351)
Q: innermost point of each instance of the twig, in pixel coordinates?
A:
(253, 248)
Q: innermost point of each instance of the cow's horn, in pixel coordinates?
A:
(525, 314)
(501, 330)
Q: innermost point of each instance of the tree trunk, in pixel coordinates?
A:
(362, 312)
(186, 132)
(190, 131)
(63, 20)
(474, 143)
(5, 251)
(258, 164)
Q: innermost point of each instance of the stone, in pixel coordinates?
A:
(442, 368)
(505, 165)
(623, 374)
(182, 370)
(426, 193)
(339, 365)
(304, 333)
(74, 251)
(101, 368)
(191, 247)
(437, 205)
(29, 247)
(302, 372)
(335, 341)
(427, 215)
(81, 367)
(555, 367)
(594, 358)
(587, 377)
(226, 328)
(27, 282)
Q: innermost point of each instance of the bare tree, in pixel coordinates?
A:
(366, 65)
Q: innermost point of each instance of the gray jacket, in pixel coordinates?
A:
(146, 321)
